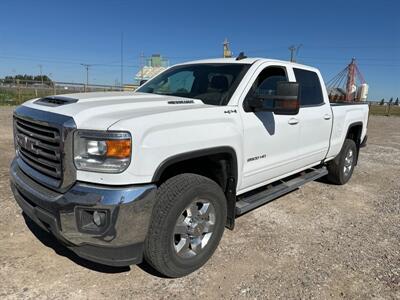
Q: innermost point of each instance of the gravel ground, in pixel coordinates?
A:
(321, 241)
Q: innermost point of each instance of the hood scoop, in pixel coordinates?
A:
(55, 101)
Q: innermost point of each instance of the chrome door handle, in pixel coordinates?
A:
(293, 121)
(327, 117)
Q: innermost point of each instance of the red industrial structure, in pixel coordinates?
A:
(348, 85)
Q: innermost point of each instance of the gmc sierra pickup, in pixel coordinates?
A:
(157, 174)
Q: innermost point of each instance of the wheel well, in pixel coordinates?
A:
(217, 164)
(217, 167)
(354, 133)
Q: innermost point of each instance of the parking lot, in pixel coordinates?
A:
(321, 241)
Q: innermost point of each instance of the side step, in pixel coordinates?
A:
(272, 191)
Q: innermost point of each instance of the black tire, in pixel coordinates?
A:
(336, 167)
(173, 197)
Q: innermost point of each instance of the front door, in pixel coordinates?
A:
(270, 141)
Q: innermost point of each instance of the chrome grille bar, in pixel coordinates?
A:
(39, 146)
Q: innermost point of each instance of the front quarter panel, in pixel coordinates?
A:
(156, 138)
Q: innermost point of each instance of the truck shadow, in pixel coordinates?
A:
(268, 120)
(49, 241)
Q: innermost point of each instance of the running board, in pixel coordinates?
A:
(277, 189)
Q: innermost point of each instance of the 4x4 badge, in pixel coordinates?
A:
(230, 111)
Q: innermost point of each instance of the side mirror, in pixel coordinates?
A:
(285, 102)
(141, 82)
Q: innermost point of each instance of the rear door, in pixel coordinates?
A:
(315, 117)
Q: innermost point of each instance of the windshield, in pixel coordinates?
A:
(214, 84)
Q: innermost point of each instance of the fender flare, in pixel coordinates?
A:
(196, 154)
(358, 144)
(230, 191)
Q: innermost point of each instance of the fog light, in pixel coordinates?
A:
(99, 218)
(92, 220)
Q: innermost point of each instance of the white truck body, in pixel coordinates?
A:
(160, 130)
(154, 174)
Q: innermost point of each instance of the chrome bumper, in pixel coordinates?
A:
(127, 210)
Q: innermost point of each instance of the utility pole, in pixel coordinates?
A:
(141, 66)
(41, 76)
(122, 61)
(294, 51)
(86, 66)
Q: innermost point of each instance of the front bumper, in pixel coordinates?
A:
(118, 241)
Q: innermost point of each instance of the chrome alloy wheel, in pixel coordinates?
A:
(348, 162)
(194, 228)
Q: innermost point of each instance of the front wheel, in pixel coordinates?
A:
(187, 224)
(341, 168)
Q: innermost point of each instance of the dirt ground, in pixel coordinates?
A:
(321, 241)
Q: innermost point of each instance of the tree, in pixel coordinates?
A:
(28, 79)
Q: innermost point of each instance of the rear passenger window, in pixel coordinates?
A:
(310, 87)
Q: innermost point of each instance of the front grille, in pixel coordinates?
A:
(39, 146)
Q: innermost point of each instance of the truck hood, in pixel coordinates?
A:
(101, 110)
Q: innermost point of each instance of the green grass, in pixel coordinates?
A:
(383, 110)
(16, 97)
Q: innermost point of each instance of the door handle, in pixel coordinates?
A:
(293, 121)
(327, 117)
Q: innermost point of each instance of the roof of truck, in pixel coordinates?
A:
(248, 60)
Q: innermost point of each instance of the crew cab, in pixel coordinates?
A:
(157, 174)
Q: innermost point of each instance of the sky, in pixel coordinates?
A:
(60, 35)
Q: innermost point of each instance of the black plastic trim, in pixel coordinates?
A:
(364, 142)
(53, 101)
(357, 141)
(347, 103)
(196, 154)
(230, 190)
(111, 256)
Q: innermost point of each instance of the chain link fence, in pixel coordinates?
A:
(18, 92)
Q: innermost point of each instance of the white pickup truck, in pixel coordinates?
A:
(157, 174)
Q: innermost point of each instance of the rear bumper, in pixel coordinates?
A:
(125, 211)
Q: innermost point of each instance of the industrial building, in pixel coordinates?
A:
(154, 65)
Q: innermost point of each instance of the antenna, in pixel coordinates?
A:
(241, 56)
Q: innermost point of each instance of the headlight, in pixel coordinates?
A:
(102, 151)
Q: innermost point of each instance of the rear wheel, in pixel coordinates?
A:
(187, 224)
(341, 168)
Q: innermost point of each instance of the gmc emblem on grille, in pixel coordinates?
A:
(27, 143)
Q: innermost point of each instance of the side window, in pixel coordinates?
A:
(310, 87)
(266, 83)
